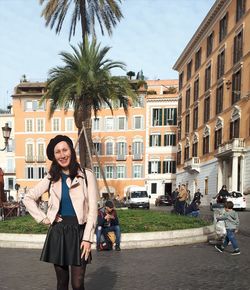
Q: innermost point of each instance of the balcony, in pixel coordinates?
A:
(236, 145)
(192, 165)
(29, 159)
(41, 159)
(137, 157)
(121, 157)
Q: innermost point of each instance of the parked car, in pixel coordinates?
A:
(238, 199)
(163, 200)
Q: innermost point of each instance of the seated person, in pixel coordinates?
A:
(108, 222)
(193, 209)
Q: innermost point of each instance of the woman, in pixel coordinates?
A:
(222, 195)
(72, 213)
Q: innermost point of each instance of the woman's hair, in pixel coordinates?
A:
(56, 170)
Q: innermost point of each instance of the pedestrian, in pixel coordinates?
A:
(71, 215)
(222, 195)
(181, 200)
(197, 196)
(108, 222)
(232, 224)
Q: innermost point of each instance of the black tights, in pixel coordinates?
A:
(77, 277)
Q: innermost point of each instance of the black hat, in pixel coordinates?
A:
(109, 204)
(53, 142)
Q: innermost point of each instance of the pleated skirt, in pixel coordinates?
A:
(62, 244)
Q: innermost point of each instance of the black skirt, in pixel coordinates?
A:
(62, 244)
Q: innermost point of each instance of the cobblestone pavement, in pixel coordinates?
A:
(187, 267)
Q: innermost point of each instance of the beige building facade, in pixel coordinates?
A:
(214, 102)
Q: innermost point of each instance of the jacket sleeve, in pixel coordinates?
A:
(92, 193)
(31, 197)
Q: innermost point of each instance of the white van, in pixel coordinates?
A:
(137, 197)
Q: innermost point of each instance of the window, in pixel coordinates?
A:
(236, 86)
(121, 171)
(109, 171)
(139, 102)
(10, 165)
(170, 116)
(40, 125)
(10, 183)
(178, 159)
(154, 167)
(179, 130)
(69, 124)
(181, 81)
(206, 109)
(109, 148)
(240, 9)
(29, 125)
(137, 171)
(208, 78)
(188, 98)
(235, 129)
(122, 123)
(186, 152)
(219, 99)
(153, 188)
(97, 171)
(10, 146)
(155, 140)
(121, 148)
(223, 27)
(109, 124)
(189, 70)
(238, 46)
(221, 64)
(138, 122)
(98, 147)
(29, 174)
(40, 152)
(29, 153)
(217, 138)
(179, 106)
(196, 90)
(157, 117)
(195, 118)
(187, 123)
(198, 59)
(96, 124)
(210, 41)
(206, 144)
(137, 148)
(169, 166)
(170, 140)
(41, 171)
(56, 124)
(195, 149)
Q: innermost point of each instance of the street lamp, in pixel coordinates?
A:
(6, 135)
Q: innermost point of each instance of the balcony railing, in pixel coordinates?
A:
(234, 145)
(192, 164)
(121, 157)
(137, 157)
(29, 158)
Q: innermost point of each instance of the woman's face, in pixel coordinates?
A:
(62, 154)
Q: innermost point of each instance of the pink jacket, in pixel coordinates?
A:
(84, 200)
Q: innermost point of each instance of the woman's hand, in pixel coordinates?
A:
(58, 218)
(85, 248)
(46, 221)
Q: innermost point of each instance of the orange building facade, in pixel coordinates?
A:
(123, 142)
(214, 102)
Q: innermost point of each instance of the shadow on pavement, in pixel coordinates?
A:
(103, 278)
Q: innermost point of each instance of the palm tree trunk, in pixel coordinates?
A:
(83, 20)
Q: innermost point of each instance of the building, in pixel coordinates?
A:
(214, 108)
(126, 144)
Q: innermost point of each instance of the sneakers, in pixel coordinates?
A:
(117, 248)
(235, 252)
(219, 248)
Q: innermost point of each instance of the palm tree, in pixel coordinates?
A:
(86, 82)
(106, 12)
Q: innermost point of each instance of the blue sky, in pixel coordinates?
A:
(151, 36)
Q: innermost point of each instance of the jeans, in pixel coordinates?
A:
(101, 230)
(230, 237)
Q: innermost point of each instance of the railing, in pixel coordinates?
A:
(192, 164)
(29, 158)
(137, 157)
(121, 157)
(237, 144)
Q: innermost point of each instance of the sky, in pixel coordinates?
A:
(150, 37)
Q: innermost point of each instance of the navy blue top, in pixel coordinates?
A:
(66, 206)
